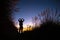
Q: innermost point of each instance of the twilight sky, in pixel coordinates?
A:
(31, 8)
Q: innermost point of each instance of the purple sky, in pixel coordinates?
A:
(31, 8)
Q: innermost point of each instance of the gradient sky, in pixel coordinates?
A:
(31, 8)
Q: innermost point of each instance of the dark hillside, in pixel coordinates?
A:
(48, 30)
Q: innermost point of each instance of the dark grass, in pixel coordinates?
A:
(47, 31)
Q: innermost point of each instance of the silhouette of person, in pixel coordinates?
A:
(21, 20)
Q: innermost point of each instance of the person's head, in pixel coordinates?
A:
(20, 19)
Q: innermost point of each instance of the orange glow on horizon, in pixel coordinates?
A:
(26, 27)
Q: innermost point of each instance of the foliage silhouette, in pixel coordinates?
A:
(7, 29)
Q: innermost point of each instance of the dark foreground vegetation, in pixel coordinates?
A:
(47, 31)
